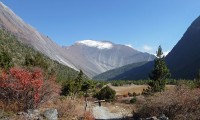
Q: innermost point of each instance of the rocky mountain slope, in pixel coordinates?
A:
(30, 36)
(183, 61)
(96, 57)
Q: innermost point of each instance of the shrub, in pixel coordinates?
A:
(180, 103)
(135, 94)
(88, 116)
(106, 93)
(133, 100)
(130, 94)
(125, 95)
(21, 89)
(67, 108)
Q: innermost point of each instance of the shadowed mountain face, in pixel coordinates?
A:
(114, 73)
(31, 37)
(96, 57)
(183, 61)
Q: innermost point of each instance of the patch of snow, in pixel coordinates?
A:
(129, 45)
(97, 44)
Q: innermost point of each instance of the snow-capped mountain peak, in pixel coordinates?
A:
(97, 44)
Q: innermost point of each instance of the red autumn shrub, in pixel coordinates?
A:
(22, 89)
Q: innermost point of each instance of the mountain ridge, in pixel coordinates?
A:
(99, 56)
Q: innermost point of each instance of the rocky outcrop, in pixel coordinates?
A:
(48, 114)
(31, 115)
(51, 114)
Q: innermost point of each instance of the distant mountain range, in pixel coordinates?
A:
(93, 57)
(183, 61)
(96, 57)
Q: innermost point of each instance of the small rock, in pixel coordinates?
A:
(31, 115)
(51, 114)
(163, 117)
(152, 118)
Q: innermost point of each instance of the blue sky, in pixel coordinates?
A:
(144, 24)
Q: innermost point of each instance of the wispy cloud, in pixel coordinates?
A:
(147, 48)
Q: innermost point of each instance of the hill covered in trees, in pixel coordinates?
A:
(25, 56)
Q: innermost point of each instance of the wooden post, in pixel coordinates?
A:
(99, 102)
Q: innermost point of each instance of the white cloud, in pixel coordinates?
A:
(147, 48)
(97, 44)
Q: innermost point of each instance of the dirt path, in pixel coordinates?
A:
(104, 113)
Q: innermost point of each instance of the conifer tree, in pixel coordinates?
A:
(5, 60)
(78, 83)
(159, 73)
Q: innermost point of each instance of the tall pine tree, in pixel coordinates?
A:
(159, 73)
(78, 81)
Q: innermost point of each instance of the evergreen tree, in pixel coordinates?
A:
(29, 61)
(5, 60)
(159, 73)
(78, 83)
(67, 88)
(36, 60)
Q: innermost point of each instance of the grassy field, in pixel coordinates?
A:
(123, 90)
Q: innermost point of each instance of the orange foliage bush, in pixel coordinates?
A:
(21, 89)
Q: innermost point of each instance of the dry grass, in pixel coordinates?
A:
(67, 109)
(124, 90)
(178, 103)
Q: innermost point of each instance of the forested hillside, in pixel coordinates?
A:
(25, 56)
